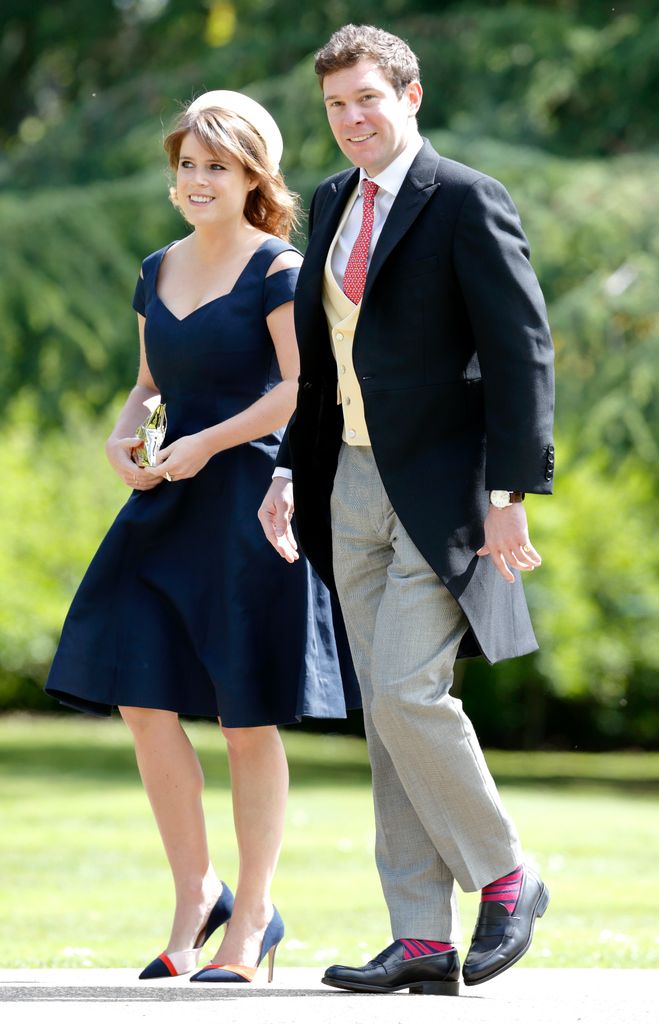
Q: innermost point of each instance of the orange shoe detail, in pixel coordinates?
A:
(242, 970)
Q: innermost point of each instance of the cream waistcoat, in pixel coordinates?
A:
(342, 316)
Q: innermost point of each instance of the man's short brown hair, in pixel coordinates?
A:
(352, 43)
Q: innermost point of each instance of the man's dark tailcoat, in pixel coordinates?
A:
(454, 358)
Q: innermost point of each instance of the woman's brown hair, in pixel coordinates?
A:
(270, 206)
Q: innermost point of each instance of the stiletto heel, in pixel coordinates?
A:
(271, 961)
(183, 961)
(273, 935)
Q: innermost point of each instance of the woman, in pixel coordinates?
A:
(185, 608)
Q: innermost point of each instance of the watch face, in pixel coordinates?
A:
(500, 499)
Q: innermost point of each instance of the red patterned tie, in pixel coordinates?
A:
(354, 278)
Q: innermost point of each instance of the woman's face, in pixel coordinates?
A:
(210, 190)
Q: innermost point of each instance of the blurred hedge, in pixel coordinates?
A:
(66, 283)
(555, 99)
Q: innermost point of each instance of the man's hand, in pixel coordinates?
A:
(275, 516)
(507, 541)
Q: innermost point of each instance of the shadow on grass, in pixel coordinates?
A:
(87, 760)
(638, 786)
(43, 748)
(84, 760)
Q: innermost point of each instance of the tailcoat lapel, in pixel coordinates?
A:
(326, 222)
(309, 314)
(416, 190)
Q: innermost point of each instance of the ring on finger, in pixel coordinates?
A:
(526, 548)
(169, 478)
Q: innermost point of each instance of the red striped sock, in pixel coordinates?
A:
(423, 947)
(505, 890)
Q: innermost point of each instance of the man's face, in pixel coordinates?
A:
(370, 123)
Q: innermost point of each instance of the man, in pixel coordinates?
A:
(417, 296)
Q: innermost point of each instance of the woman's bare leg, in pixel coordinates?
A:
(174, 782)
(259, 781)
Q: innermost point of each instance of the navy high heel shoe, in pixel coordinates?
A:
(171, 965)
(274, 933)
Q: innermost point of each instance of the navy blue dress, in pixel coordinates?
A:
(186, 606)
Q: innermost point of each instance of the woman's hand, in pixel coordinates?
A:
(182, 459)
(119, 451)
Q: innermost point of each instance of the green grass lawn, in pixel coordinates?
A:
(84, 882)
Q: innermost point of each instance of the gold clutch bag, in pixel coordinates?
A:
(152, 434)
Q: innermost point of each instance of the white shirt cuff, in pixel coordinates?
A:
(282, 471)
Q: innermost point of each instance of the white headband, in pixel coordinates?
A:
(259, 118)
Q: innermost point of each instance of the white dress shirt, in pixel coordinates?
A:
(389, 181)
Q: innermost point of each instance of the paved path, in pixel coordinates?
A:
(521, 996)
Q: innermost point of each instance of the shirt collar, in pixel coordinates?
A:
(392, 177)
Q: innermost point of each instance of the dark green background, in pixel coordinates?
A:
(558, 100)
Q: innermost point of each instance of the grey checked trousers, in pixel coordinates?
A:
(438, 815)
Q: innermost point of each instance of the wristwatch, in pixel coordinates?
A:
(502, 499)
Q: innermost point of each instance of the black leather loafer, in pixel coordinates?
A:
(500, 939)
(436, 974)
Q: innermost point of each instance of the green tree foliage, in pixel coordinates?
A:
(66, 283)
(551, 77)
(593, 226)
(58, 498)
(594, 232)
(594, 604)
(556, 99)
(84, 84)
(73, 66)
(606, 620)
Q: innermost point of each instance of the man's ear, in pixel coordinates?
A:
(414, 94)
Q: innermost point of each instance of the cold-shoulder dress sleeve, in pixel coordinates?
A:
(279, 288)
(167, 616)
(139, 298)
